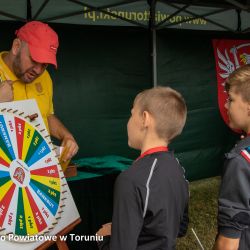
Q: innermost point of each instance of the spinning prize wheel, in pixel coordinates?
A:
(30, 177)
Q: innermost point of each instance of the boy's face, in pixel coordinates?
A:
(135, 128)
(238, 111)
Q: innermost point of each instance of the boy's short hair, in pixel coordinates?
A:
(240, 79)
(168, 108)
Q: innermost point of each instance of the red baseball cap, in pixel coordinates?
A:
(42, 41)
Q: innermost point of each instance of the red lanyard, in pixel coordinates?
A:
(153, 150)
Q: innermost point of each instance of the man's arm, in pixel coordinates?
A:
(60, 132)
(224, 243)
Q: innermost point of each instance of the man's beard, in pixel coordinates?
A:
(18, 71)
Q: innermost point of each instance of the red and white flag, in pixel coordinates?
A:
(229, 55)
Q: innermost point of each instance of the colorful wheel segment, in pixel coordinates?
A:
(30, 179)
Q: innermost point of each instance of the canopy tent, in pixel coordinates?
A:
(226, 15)
(101, 69)
(113, 64)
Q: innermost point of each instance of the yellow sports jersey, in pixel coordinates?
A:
(40, 89)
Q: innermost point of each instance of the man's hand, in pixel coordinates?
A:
(71, 147)
(224, 243)
(6, 91)
(105, 230)
(60, 132)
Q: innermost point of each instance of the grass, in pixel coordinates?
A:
(202, 215)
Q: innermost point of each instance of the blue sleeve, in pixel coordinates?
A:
(184, 223)
(127, 218)
(234, 198)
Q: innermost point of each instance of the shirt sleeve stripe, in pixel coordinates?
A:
(246, 155)
(147, 187)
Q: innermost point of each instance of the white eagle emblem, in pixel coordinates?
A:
(227, 65)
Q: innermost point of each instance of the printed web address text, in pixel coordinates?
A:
(140, 17)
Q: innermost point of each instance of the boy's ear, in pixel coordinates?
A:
(146, 118)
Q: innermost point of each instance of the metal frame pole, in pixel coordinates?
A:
(152, 28)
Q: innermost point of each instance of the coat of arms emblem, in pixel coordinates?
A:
(229, 55)
(19, 175)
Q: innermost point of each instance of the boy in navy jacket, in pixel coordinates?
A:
(151, 197)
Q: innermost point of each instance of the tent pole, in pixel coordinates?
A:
(154, 57)
(152, 28)
(29, 11)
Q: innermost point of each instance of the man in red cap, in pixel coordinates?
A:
(23, 75)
